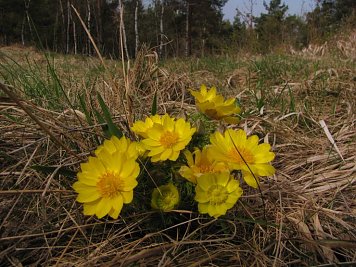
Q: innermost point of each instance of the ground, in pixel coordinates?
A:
(303, 105)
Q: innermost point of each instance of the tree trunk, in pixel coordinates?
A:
(188, 40)
(203, 38)
(68, 26)
(23, 30)
(27, 6)
(88, 26)
(161, 29)
(75, 38)
(62, 26)
(136, 29)
(250, 22)
(99, 24)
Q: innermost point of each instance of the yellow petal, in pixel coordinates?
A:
(174, 155)
(94, 165)
(90, 208)
(103, 207)
(189, 157)
(250, 179)
(129, 185)
(135, 172)
(197, 156)
(211, 93)
(264, 169)
(239, 137)
(179, 126)
(188, 174)
(264, 157)
(213, 211)
(156, 151)
(79, 186)
(232, 185)
(155, 158)
(232, 198)
(205, 181)
(88, 196)
(166, 154)
(127, 196)
(155, 133)
(117, 202)
(252, 142)
(128, 168)
(111, 162)
(151, 143)
(114, 213)
(223, 178)
(201, 196)
(203, 208)
(109, 146)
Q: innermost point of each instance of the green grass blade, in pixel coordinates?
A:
(113, 129)
(85, 110)
(154, 105)
(103, 123)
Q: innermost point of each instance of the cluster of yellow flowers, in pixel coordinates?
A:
(107, 181)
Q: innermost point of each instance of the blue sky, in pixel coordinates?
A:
(295, 7)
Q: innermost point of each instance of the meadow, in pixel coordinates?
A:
(56, 109)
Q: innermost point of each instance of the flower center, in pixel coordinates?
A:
(168, 139)
(218, 194)
(167, 201)
(109, 184)
(247, 156)
(167, 198)
(205, 168)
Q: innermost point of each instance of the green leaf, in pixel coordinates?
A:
(85, 110)
(154, 105)
(113, 129)
(102, 121)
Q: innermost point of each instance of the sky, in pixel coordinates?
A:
(297, 7)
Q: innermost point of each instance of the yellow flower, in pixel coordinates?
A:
(165, 197)
(107, 181)
(125, 145)
(203, 162)
(215, 107)
(242, 153)
(216, 193)
(141, 127)
(166, 140)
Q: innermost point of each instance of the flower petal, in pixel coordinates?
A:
(203, 208)
(127, 196)
(103, 207)
(205, 181)
(88, 196)
(90, 208)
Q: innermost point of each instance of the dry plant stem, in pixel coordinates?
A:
(143, 254)
(6, 90)
(126, 81)
(34, 191)
(128, 107)
(90, 37)
(330, 137)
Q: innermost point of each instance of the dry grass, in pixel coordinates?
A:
(304, 215)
